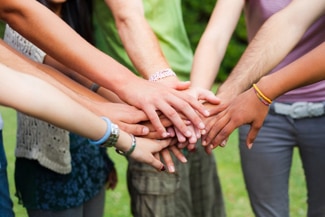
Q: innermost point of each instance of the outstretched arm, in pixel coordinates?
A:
(54, 106)
(77, 54)
(214, 41)
(275, 39)
(143, 47)
(247, 108)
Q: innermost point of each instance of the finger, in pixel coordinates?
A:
(171, 131)
(251, 136)
(217, 124)
(193, 138)
(208, 149)
(178, 154)
(180, 137)
(168, 160)
(188, 107)
(135, 129)
(182, 145)
(222, 137)
(191, 147)
(158, 165)
(208, 96)
(154, 135)
(175, 118)
(157, 156)
(154, 119)
(183, 85)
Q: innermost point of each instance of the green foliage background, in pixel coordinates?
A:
(196, 16)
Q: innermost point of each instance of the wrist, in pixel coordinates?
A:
(127, 146)
(162, 74)
(110, 137)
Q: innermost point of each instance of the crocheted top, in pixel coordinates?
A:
(36, 139)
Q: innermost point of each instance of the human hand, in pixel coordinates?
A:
(167, 158)
(153, 96)
(127, 117)
(146, 149)
(246, 108)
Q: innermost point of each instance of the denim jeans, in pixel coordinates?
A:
(266, 166)
(5, 201)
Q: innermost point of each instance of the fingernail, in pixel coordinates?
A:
(188, 133)
(165, 134)
(206, 112)
(171, 169)
(163, 168)
(145, 130)
(201, 126)
(250, 146)
(223, 144)
(204, 143)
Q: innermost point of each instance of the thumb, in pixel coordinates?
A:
(251, 136)
(182, 85)
(208, 96)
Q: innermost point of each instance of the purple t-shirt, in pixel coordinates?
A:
(256, 12)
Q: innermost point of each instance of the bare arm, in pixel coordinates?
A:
(246, 108)
(214, 41)
(144, 51)
(77, 54)
(276, 38)
(53, 106)
(124, 115)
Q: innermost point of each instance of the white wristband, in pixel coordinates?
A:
(162, 74)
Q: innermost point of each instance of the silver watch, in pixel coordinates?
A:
(112, 139)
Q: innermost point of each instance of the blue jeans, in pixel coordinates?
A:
(266, 166)
(5, 201)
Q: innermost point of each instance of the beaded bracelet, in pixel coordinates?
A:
(106, 135)
(264, 99)
(162, 74)
(128, 152)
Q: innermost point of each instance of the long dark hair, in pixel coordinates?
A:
(78, 15)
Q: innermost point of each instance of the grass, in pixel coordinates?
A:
(117, 201)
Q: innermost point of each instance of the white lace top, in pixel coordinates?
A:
(37, 139)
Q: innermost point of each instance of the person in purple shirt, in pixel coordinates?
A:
(279, 32)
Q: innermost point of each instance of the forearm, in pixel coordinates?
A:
(139, 40)
(306, 70)
(276, 38)
(73, 51)
(213, 43)
(77, 92)
(49, 104)
(84, 81)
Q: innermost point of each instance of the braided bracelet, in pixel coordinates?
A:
(264, 99)
(162, 74)
(128, 152)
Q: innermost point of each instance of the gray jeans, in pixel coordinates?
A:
(266, 167)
